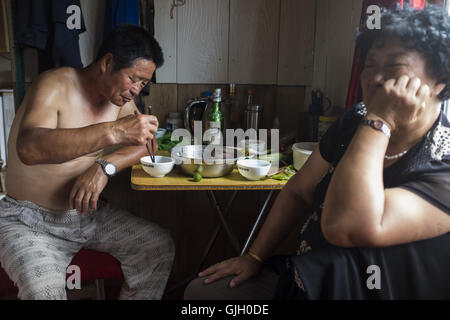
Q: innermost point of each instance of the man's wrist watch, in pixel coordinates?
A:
(108, 168)
(378, 125)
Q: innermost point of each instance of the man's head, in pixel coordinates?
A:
(128, 58)
(410, 42)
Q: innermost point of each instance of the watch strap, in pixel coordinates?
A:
(103, 163)
(378, 125)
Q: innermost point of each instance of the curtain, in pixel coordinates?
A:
(354, 94)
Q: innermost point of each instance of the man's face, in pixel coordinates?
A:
(123, 85)
(391, 60)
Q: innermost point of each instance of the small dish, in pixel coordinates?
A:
(160, 133)
(159, 168)
(253, 169)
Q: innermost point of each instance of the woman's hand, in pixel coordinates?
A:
(87, 188)
(400, 102)
(243, 267)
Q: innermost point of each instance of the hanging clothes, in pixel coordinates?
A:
(42, 24)
(120, 11)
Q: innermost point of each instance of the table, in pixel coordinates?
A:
(177, 181)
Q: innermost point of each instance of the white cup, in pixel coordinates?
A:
(301, 152)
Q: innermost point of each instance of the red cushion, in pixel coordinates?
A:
(7, 287)
(93, 264)
(97, 265)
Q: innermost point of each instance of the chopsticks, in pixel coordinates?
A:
(152, 156)
(149, 145)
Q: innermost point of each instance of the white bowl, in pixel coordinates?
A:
(160, 133)
(301, 152)
(253, 169)
(159, 168)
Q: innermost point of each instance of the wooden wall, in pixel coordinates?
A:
(336, 26)
(258, 42)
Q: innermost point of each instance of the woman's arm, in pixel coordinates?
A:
(291, 206)
(358, 211)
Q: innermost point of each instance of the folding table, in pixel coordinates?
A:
(177, 181)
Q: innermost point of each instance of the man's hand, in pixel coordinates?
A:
(400, 102)
(87, 188)
(243, 267)
(134, 130)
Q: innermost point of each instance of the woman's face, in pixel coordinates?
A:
(391, 60)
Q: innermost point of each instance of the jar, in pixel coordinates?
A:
(174, 121)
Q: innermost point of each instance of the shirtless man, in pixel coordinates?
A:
(54, 178)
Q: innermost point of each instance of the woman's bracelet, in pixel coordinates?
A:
(254, 256)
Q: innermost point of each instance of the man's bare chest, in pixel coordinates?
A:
(79, 115)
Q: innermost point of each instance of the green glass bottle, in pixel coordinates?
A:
(214, 119)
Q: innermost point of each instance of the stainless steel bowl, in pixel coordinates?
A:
(217, 161)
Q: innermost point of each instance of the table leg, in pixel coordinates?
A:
(230, 233)
(215, 233)
(255, 225)
(210, 242)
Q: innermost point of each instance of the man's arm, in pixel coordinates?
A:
(125, 157)
(88, 187)
(40, 141)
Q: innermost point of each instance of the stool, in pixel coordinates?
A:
(95, 267)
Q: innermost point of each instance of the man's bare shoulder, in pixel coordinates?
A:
(59, 78)
(52, 86)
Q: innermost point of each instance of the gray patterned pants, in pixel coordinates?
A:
(37, 245)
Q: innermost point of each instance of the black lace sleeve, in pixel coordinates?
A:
(434, 187)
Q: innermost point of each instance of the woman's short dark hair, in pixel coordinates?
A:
(129, 42)
(426, 31)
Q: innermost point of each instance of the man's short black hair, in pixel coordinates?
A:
(127, 43)
(426, 31)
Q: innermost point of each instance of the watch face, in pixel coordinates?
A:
(378, 124)
(110, 169)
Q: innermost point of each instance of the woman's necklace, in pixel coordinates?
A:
(396, 156)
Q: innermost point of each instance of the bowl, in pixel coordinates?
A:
(217, 161)
(159, 168)
(301, 152)
(253, 169)
(160, 133)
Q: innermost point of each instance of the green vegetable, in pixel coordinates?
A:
(200, 169)
(285, 173)
(197, 177)
(165, 143)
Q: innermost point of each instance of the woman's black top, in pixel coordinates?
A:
(418, 270)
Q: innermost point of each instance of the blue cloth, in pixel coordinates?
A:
(120, 11)
(42, 24)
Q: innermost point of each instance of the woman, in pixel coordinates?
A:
(376, 191)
